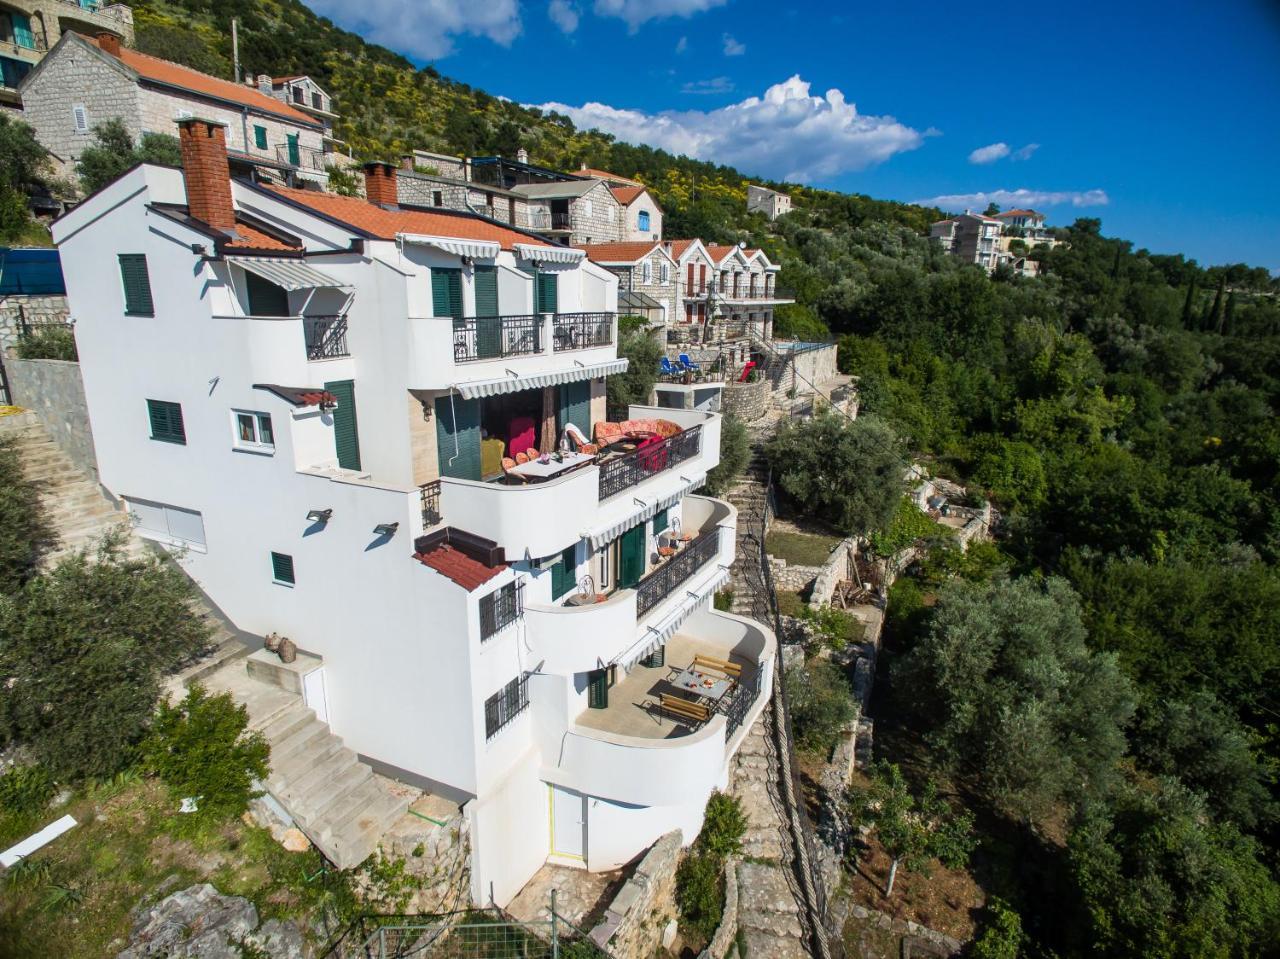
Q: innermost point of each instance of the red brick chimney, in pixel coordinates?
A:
(204, 166)
(380, 184)
(109, 43)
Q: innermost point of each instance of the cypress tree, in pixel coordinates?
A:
(1187, 304)
(1229, 319)
(1215, 311)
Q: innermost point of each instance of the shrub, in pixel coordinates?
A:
(24, 530)
(25, 790)
(724, 600)
(820, 702)
(735, 451)
(835, 627)
(49, 342)
(700, 893)
(907, 527)
(636, 384)
(724, 826)
(343, 181)
(200, 748)
(1001, 936)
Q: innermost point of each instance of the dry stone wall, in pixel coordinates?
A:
(20, 308)
(636, 920)
(747, 401)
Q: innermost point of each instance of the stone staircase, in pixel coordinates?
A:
(333, 797)
(748, 496)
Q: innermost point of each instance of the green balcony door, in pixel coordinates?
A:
(575, 406)
(295, 158)
(346, 431)
(458, 437)
(488, 322)
(547, 293)
(631, 557)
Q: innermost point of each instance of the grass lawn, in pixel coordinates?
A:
(790, 603)
(800, 549)
(73, 898)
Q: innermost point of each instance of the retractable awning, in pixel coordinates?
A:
(476, 249)
(288, 274)
(607, 533)
(514, 383)
(658, 633)
(548, 254)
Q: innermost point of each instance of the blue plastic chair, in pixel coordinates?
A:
(689, 364)
(666, 369)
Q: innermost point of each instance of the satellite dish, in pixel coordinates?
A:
(742, 244)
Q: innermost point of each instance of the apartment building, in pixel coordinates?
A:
(648, 278)
(313, 398)
(970, 236)
(303, 93)
(769, 202)
(30, 28)
(83, 82)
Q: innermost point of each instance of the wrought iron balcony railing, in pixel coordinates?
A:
(495, 337)
(326, 337)
(664, 580)
(631, 469)
(578, 331)
(430, 493)
(500, 609)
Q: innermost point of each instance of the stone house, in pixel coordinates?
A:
(641, 213)
(696, 273)
(304, 94)
(745, 293)
(82, 82)
(769, 202)
(578, 212)
(646, 272)
(30, 28)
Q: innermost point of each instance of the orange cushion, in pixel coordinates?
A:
(606, 432)
(667, 429)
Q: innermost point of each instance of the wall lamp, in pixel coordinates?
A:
(386, 529)
(319, 515)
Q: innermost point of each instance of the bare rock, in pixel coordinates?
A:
(194, 923)
(279, 939)
(295, 840)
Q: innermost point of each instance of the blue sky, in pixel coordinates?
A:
(1162, 119)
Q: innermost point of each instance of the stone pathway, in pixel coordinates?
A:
(578, 894)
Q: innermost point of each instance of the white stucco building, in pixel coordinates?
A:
(306, 394)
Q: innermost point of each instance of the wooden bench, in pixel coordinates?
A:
(684, 708)
(732, 670)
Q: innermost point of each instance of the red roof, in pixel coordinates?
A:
(162, 71)
(250, 238)
(385, 224)
(622, 252)
(458, 566)
(625, 194)
(604, 175)
(1018, 213)
(719, 252)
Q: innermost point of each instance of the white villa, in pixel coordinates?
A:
(317, 401)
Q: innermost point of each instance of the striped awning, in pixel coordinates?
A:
(476, 249)
(607, 533)
(287, 273)
(533, 381)
(548, 254)
(658, 633)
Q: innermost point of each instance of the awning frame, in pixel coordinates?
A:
(288, 274)
(514, 382)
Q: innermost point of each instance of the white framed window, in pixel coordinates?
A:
(664, 272)
(171, 525)
(646, 271)
(609, 213)
(587, 207)
(80, 118)
(252, 432)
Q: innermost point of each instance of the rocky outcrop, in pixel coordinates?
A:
(200, 923)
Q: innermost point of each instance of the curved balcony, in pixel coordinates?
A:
(576, 639)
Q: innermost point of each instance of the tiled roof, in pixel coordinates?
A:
(162, 71)
(625, 194)
(254, 239)
(719, 252)
(605, 175)
(458, 566)
(299, 395)
(385, 224)
(1018, 213)
(680, 247)
(623, 252)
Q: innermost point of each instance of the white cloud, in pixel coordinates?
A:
(1026, 151)
(786, 134)
(639, 12)
(989, 154)
(564, 15)
(714, 85)
(424, 28)
(682, 45)
(732, 48)
(1011, 199)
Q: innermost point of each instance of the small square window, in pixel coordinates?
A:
(252, 431)
(166, 421)
(437, 198)
(282, 568)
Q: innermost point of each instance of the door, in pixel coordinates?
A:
(294, 157)
(346, 431)
(568, 823)
(488, 323)
(631, 557)
(575, 406)
(458, 437)
(547, 294)
(313, 694)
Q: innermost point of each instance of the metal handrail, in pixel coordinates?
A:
(662, 582)
(579, 331)
(326, 337)
(430, 495)
(496, 337)
(631, 469)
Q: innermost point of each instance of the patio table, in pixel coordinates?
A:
(694, 681)
(542, 471)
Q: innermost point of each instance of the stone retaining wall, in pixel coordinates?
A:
(832, 572)
(33, 309)
(53, 390)
(792, 578)
(727, 931)
(747, 401)
(636, 922)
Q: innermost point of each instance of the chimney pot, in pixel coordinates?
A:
(380, 184)
(206, 172)
(109, 43)
(522, 155)
(407, 162)
(264, 84)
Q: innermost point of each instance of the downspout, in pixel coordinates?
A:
(244, 127)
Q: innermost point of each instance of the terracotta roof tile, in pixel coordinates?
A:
(1018, 213)
(625, 194)
(254, 239)
(680, 247)
(162, 71)
(622, 252)
(458, 566)
(605, 175)
(719, 252)
(385, 224)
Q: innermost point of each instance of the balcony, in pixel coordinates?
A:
(631, 469)
(326, 337)
(304, 158)
(676, 571)
(496, 337)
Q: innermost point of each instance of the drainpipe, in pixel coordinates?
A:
(244, 127)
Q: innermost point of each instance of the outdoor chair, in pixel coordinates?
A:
(666, 369)
(690, 365)
(731, 670)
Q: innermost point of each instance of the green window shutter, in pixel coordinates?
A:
(486, 286)
(575, 406)
(458, 437)
(656, 659)
(660, 522)
(564, 573)
(446, 292)
(265, 298)
(346, 431)
(260, 137)
(631, 557)
(166, 421)
(547, 294)
(282, 568)
(598, 689)
(292, 140)
(137, 285)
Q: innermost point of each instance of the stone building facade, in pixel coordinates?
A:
(769, 202)
(31, 28)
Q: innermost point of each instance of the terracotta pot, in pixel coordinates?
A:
(273, 642)
(288, 651)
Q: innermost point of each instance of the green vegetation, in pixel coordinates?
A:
(834, 627)
(800, 549)
(23, 172)
(1001, 936)
(848, 472)
(636, 384)
(24, 530)
(48, 342)
(735, 451)
(820, 703)
(114, 152)
(913, 827)
(700, 875)
(906, 527)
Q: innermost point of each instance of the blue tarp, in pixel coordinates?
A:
(30, 271)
